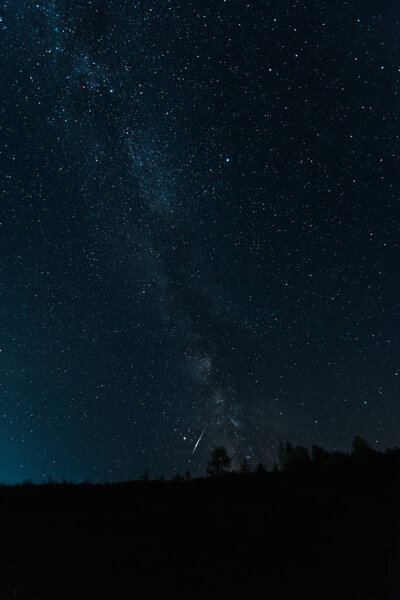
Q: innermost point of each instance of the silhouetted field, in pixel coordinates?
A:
(314, 534)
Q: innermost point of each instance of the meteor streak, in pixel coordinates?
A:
(198, 441)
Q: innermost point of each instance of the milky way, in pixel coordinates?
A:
(199, 232)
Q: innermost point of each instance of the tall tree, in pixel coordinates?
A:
(219, 462)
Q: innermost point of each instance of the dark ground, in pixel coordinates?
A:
(241, 536)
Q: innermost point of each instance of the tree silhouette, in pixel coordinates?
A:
(319, 455)
(244, 466)
(219, 461)
(145, 476)
(285, 452)
(261, 470)
(293, 457)
(361, 448)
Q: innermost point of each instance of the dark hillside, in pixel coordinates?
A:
(274, 535)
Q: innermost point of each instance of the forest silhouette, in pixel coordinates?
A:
(319, 524)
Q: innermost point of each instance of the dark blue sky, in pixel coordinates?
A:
(199, 228)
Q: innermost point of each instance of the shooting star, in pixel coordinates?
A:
(198, 441)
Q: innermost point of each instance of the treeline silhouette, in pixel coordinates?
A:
(319, 524)
(316, 464)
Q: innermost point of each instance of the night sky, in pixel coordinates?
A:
(199, 232)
